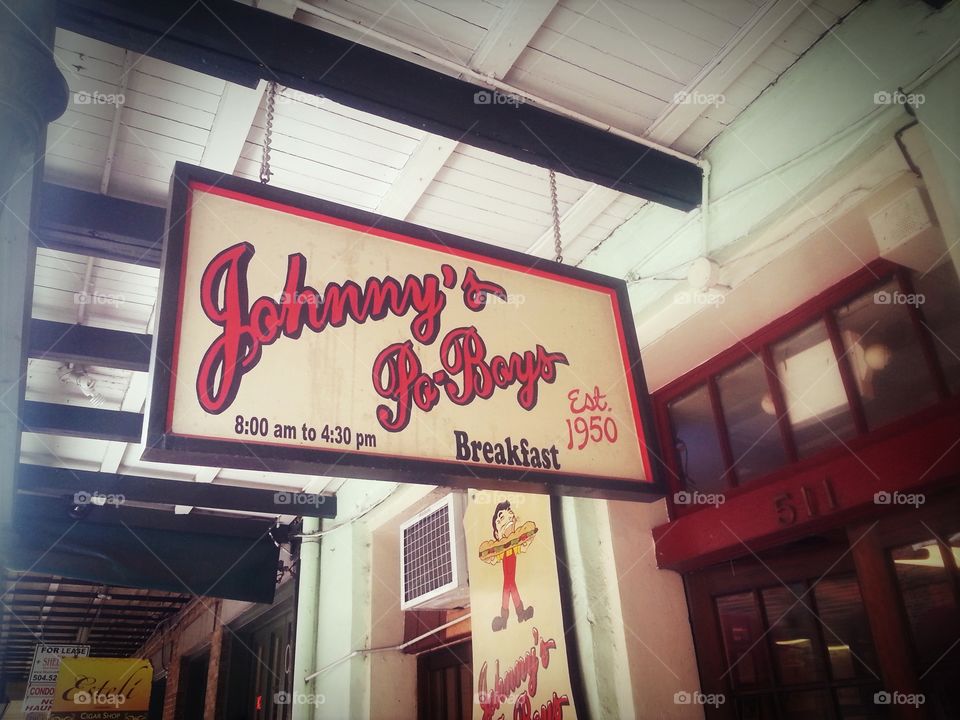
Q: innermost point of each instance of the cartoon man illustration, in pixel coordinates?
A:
(508, 541)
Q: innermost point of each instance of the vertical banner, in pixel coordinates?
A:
(38, 698)
(102, 689)
(520, 656)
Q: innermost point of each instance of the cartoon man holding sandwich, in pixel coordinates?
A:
(508, 542)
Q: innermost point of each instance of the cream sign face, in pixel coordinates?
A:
(299, 335)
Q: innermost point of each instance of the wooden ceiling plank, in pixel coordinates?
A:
(745, 47)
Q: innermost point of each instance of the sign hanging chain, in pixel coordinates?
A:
(557, 245)
(265, 171)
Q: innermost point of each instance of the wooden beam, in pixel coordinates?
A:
(63, 481)
(73, 421)
(92, 224)
(509, 35)
(231, 125)
(515, 25)
(240, 44)
(591, 205)
(418, 172)
(87, 345)
(760, 32)
(910, 456)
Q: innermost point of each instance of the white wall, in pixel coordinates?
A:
(634, 638)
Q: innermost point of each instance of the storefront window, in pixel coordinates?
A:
(885, 357)
(873, 357)
(821, 660)
(928, 583)
(813, 390)
(940, 292)
(697, 445)
(743, 640)
(751, 420)
(845, 629)
(793, 631)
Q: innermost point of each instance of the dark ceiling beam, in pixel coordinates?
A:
(18, 593)
(92, 224)
(74, 421)
(87, 345)
(81, 618)
(62, 481)
(231, 41)
(58, 605)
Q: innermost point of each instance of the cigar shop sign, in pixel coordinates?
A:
(299, 335)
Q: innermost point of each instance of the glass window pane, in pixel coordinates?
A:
(857, 703)
(756, 707)
(884, 354)
(929, 597)
(794, 636)
(751, 422)
(743, 641)
(697, 443)
(940, 289)
(846, 629)
(812, 389)
(805, 705)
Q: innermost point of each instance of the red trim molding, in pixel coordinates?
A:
(920, 454)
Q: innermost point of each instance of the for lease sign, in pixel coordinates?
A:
(38, 698)
(295, 333)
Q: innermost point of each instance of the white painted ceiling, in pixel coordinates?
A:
(624, 63)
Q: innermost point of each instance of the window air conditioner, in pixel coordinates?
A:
(433, 563)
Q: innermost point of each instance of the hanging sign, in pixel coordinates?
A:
(298, 335)
(102, 689)
(520, 654)
(42, 682)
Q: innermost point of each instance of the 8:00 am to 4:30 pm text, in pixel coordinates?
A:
(333, 434)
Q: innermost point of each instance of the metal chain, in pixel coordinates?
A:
(557, 245)
(265, 171)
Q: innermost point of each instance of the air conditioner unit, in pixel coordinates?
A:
(433, 561)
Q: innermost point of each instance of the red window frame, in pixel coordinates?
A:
(822, 307)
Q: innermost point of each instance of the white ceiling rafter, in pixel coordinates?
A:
(759, 33)
(231, 125)
(237, 110)
(575, 220)
(516, 24)
(133, 401)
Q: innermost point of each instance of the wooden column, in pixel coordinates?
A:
(173, 681)
(213, 666)
(891, 636)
